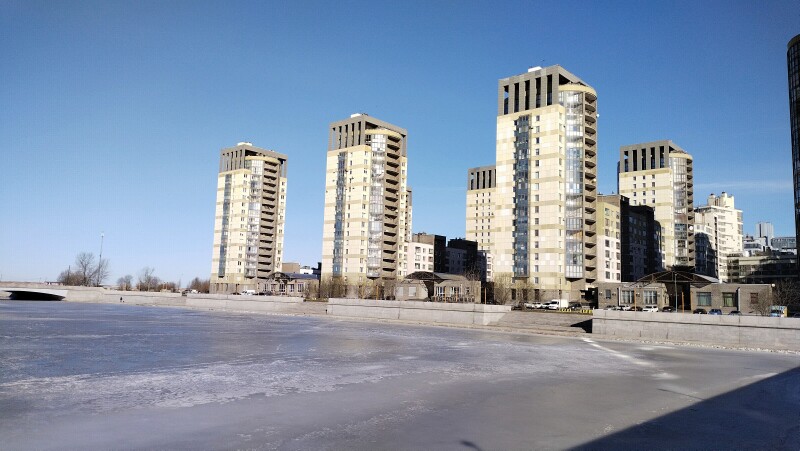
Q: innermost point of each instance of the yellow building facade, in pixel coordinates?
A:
(367, 216)
(249, 218)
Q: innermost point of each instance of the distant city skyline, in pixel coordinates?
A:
(114, 113)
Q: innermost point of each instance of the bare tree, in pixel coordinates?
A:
(86, 272)
(85, 268)
(503, 284)
(785, 294)
(389, 288)
(100, 272)
(69, 277)
(125, 282)
(201, 285)
(147, 280)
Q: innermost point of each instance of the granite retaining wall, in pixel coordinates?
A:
(743, 331)
(418, 311)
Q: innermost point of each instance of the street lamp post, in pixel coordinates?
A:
(675, 287)
(100, 260)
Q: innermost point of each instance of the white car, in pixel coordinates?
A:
(552, 305)
(650, 308)
(534, 305)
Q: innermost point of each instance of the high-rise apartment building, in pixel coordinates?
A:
(249, 219)
(659, 175)
(720, 225)
(481, 184)
(639, 236)
(543, 231)
(419, 256)
(367, 218)
(609, 239)
(793, 62)
(765, 230)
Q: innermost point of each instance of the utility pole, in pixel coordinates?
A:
(100, 261)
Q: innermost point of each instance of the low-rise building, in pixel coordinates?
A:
(290, 284)
(437, 287)
(784, 244)
(683, 292)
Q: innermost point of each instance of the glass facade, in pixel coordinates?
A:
(682, 209)
(253, 216)
(573, 185)
(793, 63)
(376, 205)
(338, 226)
(521, 194)
(226, 218)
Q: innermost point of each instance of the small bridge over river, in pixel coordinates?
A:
(37, 292)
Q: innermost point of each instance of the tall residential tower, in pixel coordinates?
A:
(543, 224)
(719, 235)
(659, 174)
(793, 62)
(249, 219)
(367, 201)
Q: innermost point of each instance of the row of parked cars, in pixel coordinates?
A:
(555, 304)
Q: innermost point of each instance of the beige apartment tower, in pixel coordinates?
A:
(543, 227)
(609, 238)
(480, 205)
(659, 174)
(718, 235)
(249, 219)
(367, 219)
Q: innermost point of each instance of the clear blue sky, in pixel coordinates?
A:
(113, 113)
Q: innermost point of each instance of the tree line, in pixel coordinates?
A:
(89, 271)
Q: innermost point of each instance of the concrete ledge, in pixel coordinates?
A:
(419, 311)
(240, 303)
(747, 331)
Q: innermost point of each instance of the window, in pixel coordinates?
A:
(727, 300)
(753, 298)
(608, 294)
(627, 297)
(704, 299)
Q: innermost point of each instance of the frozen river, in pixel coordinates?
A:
(78, 376)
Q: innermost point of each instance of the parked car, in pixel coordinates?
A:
(715, 311)
(699, 311)
(635, 308)
(735, 313)
(575, 306)
(775, 313)
(533, 305)
(650, 308)
(668, 309)
(551, 305)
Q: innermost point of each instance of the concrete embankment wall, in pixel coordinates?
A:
(746, 331)
(232, 303)
(242, 303)
(419, 311)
